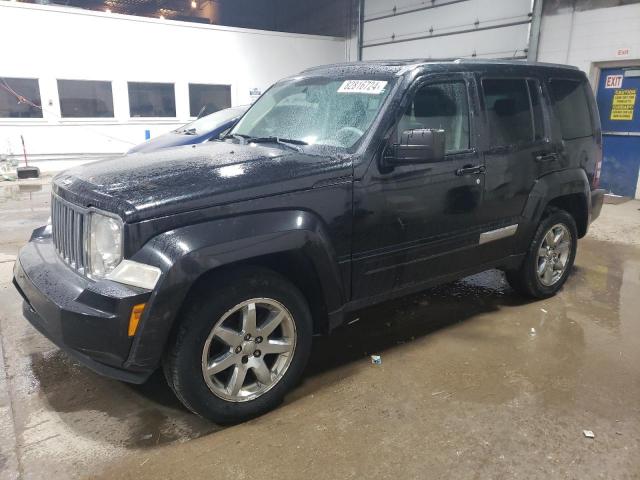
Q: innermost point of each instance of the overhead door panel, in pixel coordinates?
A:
(446, 28)
(496, 43)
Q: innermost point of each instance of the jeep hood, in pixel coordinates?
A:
(174, 180)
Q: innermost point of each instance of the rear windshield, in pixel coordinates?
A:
(571, 108)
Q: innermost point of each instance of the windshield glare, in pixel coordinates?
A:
(212, 121)
(317, 111)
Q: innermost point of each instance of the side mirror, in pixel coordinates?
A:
(422, 145)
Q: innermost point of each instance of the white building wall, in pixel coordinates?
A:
(50, 43)
(584, 38)
(592, 39)
(459, 28)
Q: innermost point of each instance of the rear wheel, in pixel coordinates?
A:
(549, 258)
(240, 347)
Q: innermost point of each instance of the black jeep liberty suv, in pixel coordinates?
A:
(341, 187)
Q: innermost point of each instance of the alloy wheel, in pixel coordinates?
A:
(249, 349)
(553, 255)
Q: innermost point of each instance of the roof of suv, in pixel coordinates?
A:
(399, 66)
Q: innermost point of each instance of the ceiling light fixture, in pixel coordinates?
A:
(194, 4)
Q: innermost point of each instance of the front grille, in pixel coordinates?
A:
(69, 232)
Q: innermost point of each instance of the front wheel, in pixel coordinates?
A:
(549, 258)
(241, 347)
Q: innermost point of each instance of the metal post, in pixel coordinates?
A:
(360, 27)
(534, 33)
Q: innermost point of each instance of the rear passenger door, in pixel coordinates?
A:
(517, 150)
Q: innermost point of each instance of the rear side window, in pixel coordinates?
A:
(571, 107)
(509, 111)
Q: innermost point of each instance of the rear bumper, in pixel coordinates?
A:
(597, 199)
(86, 319)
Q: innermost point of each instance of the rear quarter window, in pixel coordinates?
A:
(571, 108)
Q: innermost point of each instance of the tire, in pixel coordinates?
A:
(527, 280)
(223, 311)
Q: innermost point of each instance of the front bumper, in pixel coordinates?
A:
(85, 318)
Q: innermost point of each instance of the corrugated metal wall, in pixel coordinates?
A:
(445, 28)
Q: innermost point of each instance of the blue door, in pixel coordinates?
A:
(619, 105)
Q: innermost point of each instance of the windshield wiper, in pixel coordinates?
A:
(237, 136)
(187, 131)
(287, 142)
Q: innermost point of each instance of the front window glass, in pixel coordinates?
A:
(440, 106)
(316, 111)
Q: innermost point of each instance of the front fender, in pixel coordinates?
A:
(185, 253)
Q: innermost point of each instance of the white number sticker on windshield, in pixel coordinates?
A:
(373, 87)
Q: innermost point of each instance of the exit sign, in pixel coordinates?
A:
(623, 52)
(613, 81)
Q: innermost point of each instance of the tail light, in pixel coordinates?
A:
(595, 182)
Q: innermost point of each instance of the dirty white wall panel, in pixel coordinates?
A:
(582, 38)
(452, 28)
(50, 43)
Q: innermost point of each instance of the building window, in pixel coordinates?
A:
(206, 99)
(571, 108)
(85, 99)
(18, 97)
(152, 99)
(509, 111)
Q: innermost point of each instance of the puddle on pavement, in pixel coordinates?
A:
(130, 416)
(404, 320)
(24, 208)
(488, 354)
(21, 192)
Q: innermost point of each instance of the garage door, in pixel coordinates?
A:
(447, 28)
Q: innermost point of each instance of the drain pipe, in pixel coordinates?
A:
(534, 32)
(360, 27)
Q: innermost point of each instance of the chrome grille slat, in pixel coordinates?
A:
(68, 223)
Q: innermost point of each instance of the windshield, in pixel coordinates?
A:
(212, 121)
(315, 111)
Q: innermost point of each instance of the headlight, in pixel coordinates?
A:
(105, 244)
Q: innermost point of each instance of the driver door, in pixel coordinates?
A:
(414, 223)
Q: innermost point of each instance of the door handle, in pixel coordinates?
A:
(546, 157)
(470, 170)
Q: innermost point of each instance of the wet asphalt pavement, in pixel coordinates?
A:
(475, 382)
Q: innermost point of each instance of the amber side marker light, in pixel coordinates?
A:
(134, 319)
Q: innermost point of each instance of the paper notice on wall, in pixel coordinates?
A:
(254, 94)
(624, 101)
(373, 87)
